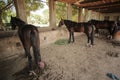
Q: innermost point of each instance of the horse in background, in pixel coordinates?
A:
(109, 25)
(116, 28)
(84, 27)
(29, 36)
(116, 33)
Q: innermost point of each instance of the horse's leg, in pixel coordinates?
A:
(27, 51)
(37, 55)
(70, 34)
(97, 32)
(36, 49)
(92, 38)
(111, 32)
(88, 39)
(91, 35)
(27, 46)
(22, 40)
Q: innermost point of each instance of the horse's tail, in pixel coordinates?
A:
(34, 36)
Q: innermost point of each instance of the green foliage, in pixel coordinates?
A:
(32, 5)
(5, 14)
(60, 11)
(2, 4)
(46, 17)
(74, 13)
(39, 19)
(75, 9)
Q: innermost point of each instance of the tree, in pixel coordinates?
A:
(4, 11)
(60, 11)
(75, 13)
(32, 5)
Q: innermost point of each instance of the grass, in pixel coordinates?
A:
(62, 42)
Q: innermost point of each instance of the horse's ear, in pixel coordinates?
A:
(11, 17)
(61, 18)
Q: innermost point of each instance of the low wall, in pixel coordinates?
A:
(51, 36)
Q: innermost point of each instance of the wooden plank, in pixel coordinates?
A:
(102, 7)
(88, 1)
(104, 4)
(110, 10)
(68, 1)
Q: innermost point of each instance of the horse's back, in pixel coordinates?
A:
(28, 33)
(83, 26)
(29, 27)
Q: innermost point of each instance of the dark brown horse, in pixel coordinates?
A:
(116, 28)
(109, 25)
(29, 37)
(78, 27)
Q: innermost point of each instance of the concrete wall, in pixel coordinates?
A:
(112, 15)
(48, 37)
(86, 15)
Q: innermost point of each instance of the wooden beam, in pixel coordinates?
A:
(88, 1)
(102, 7)
(68, 1)
(110, 10)
(98, 3)
(105, 4)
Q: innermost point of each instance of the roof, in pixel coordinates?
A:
(103, 6)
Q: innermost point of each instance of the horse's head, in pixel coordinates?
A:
(61, 23)
(116, 26)
(12, 22)
(16, 22)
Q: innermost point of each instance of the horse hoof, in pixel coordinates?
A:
(32, 73)
(90, 45)
(41, 65)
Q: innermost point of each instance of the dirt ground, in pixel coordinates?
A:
(73, 61)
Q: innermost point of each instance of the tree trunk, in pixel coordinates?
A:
(20, 9)
(1, 23)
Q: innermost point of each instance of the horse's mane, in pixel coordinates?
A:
(19, 20)
(70, 21)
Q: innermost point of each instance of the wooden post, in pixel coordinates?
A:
(52, 15)
(69, 11)
(20, 9)
(1, 23)
(79, 14)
